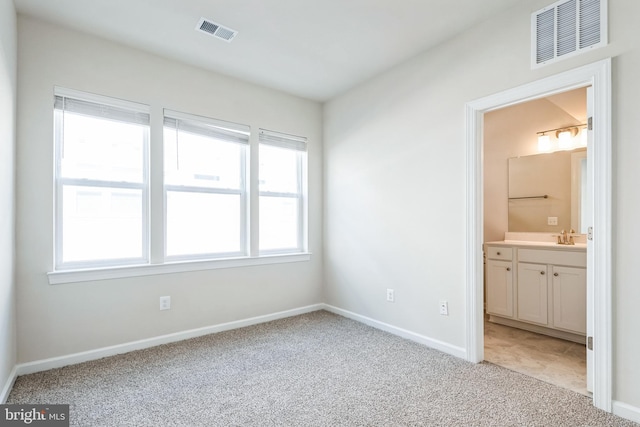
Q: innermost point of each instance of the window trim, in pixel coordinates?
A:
(123, 272)
(60, 182)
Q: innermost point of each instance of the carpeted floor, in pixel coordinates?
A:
(317, 369)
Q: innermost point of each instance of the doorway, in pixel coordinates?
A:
(520, 159)
(599, 304)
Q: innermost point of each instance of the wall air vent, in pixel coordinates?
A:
(216, 30)
(567, 28)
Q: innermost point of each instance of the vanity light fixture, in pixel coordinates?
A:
(566, 137)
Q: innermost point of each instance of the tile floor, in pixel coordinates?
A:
(549, 359)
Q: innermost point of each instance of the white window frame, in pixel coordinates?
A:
(107, 103)
(299, 145)
(232, 133)
(159, 263)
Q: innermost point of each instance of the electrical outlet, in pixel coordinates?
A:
(444, 308)
(552, 220)
(390, 296)
(165, 303)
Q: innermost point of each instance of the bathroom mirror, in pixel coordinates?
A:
(547, 191)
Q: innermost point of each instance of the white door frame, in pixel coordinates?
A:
(597, 75)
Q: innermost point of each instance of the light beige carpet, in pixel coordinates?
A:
(317, 369)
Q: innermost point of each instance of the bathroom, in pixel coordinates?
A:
(535, 234)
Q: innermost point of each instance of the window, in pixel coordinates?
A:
(205, 187)
(212, 217)
(282, 184)
(101, 181)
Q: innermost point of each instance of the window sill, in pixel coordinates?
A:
(88, 275)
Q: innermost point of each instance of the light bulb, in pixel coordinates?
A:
(584, 137)
(565, 140)
(544, 143)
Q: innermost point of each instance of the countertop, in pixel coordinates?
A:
(578, 247)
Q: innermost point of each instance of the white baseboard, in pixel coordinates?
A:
(4, 393)
(421, 339)
(625, 410)
(72, 359)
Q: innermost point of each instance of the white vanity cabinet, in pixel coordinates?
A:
(542, 288)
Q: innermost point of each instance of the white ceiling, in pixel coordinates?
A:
(316, 49)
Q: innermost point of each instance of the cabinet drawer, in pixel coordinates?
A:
(556, 257)
(499, 252)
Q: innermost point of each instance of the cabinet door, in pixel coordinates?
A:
(500, 288)
(570, 299)
(532, 293)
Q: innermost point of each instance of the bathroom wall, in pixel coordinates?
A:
(512, 132)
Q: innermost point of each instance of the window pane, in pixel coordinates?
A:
(202, 223)
(101, 223)
(102, 149)
(201, 161)
(278, 223)
(278, 169)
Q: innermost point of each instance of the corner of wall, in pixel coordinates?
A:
(8, 73)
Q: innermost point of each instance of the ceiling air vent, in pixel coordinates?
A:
(567, 28)
(216, 30)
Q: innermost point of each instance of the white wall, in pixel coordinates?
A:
(56, 320)
(8, 61)
(395, 179)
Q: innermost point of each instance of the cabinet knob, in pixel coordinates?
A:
(497, 253)
(542, 272)
(508, 268)
(556, 274)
